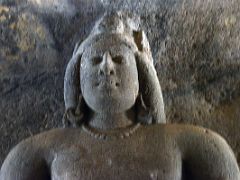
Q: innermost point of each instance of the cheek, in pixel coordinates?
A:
(129, 71)
(129, 76)
(88, 79)
(85, 70)
(84, 79)
(134, 78)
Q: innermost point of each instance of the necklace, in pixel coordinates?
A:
(111, 134)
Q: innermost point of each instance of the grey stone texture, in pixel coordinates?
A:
(196, 52)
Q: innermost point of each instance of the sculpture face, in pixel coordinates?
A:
(109, 77)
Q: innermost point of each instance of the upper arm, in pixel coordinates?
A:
(206, 155)
(24, 162)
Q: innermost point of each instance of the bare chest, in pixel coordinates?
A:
(128, 160)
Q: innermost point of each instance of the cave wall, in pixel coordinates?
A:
(195, 45)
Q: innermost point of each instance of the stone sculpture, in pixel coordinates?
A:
(114, 101)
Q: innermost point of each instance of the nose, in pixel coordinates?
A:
(107, 66)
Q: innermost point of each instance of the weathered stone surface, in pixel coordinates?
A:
(196, 48)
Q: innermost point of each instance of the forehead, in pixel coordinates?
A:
(114, 48)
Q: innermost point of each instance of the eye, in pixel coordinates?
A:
(96, 60)
(118, 59)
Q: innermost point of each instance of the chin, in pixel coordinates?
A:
(110, 105)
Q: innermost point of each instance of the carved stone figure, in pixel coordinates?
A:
(114, 101)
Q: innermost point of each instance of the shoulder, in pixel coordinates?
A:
(41, 142)
(179, 133)
(21, 160)
(205, 154)
(189, 135)
(207, 150)
(31, 156)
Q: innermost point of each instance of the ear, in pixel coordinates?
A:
(72, 84)
(150, 87)
(143, 113)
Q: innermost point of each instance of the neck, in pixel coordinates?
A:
(108, 121)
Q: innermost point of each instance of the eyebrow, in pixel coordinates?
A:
(121, 43)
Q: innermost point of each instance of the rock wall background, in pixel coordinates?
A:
(195, 44)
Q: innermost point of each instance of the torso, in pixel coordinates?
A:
(149, 153)
(166, 152)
